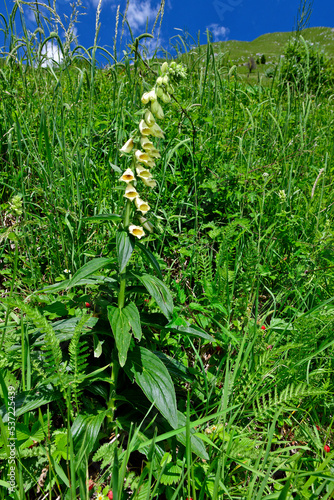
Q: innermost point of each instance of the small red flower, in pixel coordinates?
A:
(90, 484)
(327, 448)
(87, 304)
(263, 327)
(110, 495)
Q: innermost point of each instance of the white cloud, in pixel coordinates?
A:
(219, 32)
(138, 13)
(52, 54)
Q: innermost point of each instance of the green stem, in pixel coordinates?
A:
(121, 301)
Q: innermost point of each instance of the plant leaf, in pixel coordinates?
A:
(103, 217)
(125, 245)
(153, 378)
(132, 314)
(150, 257)
(91, 267)
(121, 329)
(159, 292)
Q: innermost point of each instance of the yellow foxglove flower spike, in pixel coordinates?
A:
(142, 206)
(136, 231)
(146, 224)
(128, 176)
(127, 148)
(154, 153)
(143, 157)
(130, 192)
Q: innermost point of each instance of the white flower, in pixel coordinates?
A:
(127, 146)
(128, 176)
(143, 157)
(66, 271)
(142, 206)
(130, 192)
(146, 144)
(136, 231)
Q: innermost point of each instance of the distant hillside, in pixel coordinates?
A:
(271, 46)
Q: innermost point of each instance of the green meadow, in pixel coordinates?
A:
(166, 267)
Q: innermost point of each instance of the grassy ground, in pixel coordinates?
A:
(196, 362)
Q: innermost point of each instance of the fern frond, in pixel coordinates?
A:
(78, 357)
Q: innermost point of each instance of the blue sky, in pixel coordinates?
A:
(227, 19)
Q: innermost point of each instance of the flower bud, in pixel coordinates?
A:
(165, 98)
(154, 153)
(145, 97)
(146, 144)
(165, 80)
(142, 157)
(164, 68)
(157, 110)
(149, 118)
(159, 80)
(159, 92)
(149, 182)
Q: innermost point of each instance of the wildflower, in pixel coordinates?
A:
(110, 495)
(154, 153)
(143, 157)
(142, 206)
(327, 448)
(130, 192)
(149, 118)
(263, 327)
(143, 173)
(149, 182)
(127, 176)
(156, 131)
(136, 231)
(165, 98)
(127, 148)
(66, 271)
(269, 347)
(144, 129)
(146, 144)
(282, 195)
(159, 81)
(100, 497)
(90, 484)
(265, 174)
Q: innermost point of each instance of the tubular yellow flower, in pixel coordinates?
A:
(144, 129)
(130, 192)
(142, 206)
(136, 231)
(143, 173)
(128, 176)
(127, 146)
(165, 98)
(154, 153)
(146, 144)
(144, 158)
(157, 110)
(149, 118)
(149, 182)
(156, 131)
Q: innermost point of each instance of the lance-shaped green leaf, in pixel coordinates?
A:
(121, 329)
(91, 267)
(124, 245)
(150, 258)
(132, 314)
(153, 378)
(103, 217)
(159, 292)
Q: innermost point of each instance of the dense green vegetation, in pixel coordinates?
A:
(196, 362)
